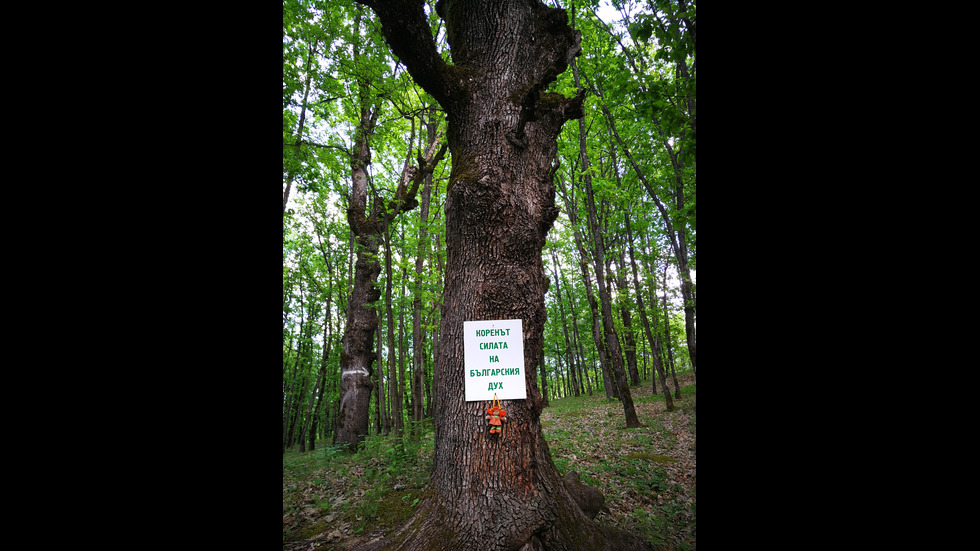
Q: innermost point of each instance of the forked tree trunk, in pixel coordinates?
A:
(356, 354)
(491, 492)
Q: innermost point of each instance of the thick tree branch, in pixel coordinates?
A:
(413, 176)
(407, 32)
(321, 146)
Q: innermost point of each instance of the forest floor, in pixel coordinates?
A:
(333, 501)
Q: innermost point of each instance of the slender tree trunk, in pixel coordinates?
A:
(583, 256)
(577, 348)
(333, 406)
(298, 402)
(287, 395)
(394, 384)
(418, 368)
(646, 367)
(626, 314)
(322, 384)
(678, 240)
(307, 419)
(677, 386)
(313, 410)
(676, 232)
(295, 396)
(437, 336)
(418, 344)
(327, 344)
(403, 351)
(500, 491)
(654, 345)
(561, 375)
(382, 399)
(566, 376)
(598, 261)
(564, 324)
(418, 338)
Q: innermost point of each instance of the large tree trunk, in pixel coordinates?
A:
(491, 492)
(356, 354)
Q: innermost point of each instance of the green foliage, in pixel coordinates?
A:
(640, 70)
(334, 62)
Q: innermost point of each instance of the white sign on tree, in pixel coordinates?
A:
(494, 360)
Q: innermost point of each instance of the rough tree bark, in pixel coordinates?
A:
(356, 354)
(494, 492)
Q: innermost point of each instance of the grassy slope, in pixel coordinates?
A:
(648, 475)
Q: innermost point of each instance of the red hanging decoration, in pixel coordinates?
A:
(495, 415)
